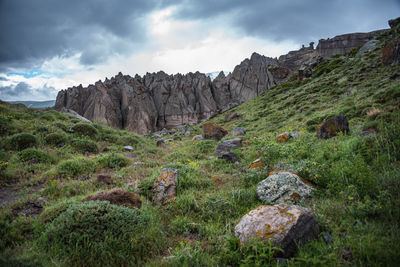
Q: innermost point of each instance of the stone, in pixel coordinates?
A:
(131, 156)
(284, 187)
(332, 126)
(116, 196)
(238, 131)
(282, 138)
(368, 46)
(223, 149)
(213, 131)
(104, 178)
(128, 148)
(164, 188)
(74, 114)
(391, 53)
(231, 116)
(394, 22)
(258, 164)
(85, 177)
(161, 143)
(284, 225)
(197, 138)
(137, 164)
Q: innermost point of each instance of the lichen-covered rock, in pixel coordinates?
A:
(282, 138)
(257, 165)
(391, 53)
(197, 138)
(283, 187)
(238, 131)
(161, 143)
(117, 196)
(213, 131)
(332, 126)
(284, 225)
(223, 150)
(164, 188)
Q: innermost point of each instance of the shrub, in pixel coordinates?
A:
(113, 161)
(85, 146)
(33, 153)
(56, 138)
(61, 126)
(42, 129)
(101, 234)
(22, 140)
(85, 129)
(76, 166)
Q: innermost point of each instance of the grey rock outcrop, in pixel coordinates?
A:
(223, 150)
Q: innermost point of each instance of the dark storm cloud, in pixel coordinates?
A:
(23, 91)
(295, 20)
(40, 29)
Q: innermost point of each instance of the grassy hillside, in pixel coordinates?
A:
(357, 201)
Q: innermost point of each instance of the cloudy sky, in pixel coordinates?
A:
(49, 45)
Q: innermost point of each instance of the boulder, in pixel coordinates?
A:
(282, 138)
(164, 188)
(284, 225)
(258, 164)
(238, 131)
(117, 196)
(128, 148)
(197, 138)
(332, 126)
(231, 116)
(131, 156)
(391, 53)
(213, 131)
(161, 143)
(284, 187)
(394, 22)
(104, 178)
(137, 164)
(223, 149)
(367, 47)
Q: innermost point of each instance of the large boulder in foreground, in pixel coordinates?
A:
(332, 126)
(223, 150)
(213, 131)
(117, 196)
(284, 225)
(164, 188)
(283, 187)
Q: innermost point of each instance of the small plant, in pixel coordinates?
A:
(76, 166)
(56, 138)
(85, 129)
(33, 153)
(97, 233)
(113, 161)
(85, 146)
(22, 141)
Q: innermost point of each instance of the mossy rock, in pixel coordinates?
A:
(85, 129)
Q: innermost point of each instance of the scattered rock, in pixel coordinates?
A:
(85, 177)
(197, 138)
(258, 164)
(368, 46)
(223, 150)
(74, 114)
(161, 143)
(391, 53)
(128, 148)
(164, 188)
(238, 131)
(169, 140)
(104, 178)
(285, 225)
(231, 116)
(282, 187)
(31, 209)
(369, 131)
(131, 156)
(327, 238)
(33, 161)
(213, 131)
(209, 157)
(137, 164)
(117, 196)
(332, 126)
(282, 138)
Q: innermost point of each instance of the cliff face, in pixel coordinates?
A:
(157, 100)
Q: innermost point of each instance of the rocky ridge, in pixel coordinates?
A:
(158, 100)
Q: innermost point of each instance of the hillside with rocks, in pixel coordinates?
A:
(158, 100)
(291, 162)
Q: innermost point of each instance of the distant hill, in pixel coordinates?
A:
(36, 104)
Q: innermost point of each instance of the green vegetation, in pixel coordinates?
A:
(356, 177)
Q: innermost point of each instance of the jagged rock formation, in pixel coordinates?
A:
(343, 44)
(158, 100)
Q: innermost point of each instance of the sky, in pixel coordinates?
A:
(50, 45)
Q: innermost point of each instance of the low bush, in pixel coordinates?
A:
(22, 141)
(85, 146)
(56, 138)
(33, 153)
(113, 161)
(76, 166)
(85, 129)
(97, 233)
